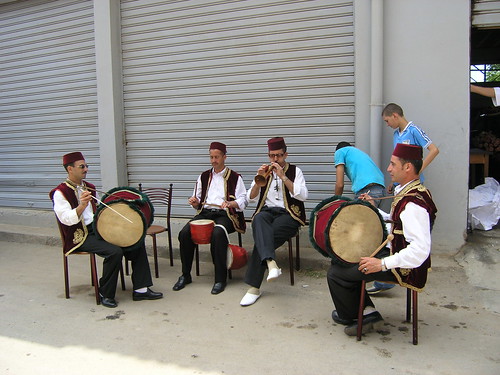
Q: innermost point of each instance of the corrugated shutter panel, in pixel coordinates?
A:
(237, 72)
(48, 101)
(486, 14)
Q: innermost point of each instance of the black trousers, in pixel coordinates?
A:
(344, 283)
(112, 254)
(271, 227)
(218, 243)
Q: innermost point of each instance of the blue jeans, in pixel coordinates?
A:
(375, 191)
(379, 285)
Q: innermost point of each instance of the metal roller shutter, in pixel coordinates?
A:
(238, 72)
(48, 102)
(486, 14)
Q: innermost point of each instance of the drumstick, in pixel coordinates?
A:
(100, 192)
(112, 209)
(104, 204)
(389, 238)
(392, 196)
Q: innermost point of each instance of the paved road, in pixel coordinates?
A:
(288, 331)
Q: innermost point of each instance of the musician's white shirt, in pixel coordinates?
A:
(216, 194)
(416, 229)
(66, 214)
(274, 196)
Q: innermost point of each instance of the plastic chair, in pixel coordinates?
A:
(160, 197)
(93, 269)
(411, 311)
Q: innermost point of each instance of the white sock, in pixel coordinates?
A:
(368, 310)
(271, 263)
(254, 291)
(141, 290)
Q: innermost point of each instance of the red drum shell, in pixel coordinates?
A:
(201, 231)
(237, 257)
(323, 215)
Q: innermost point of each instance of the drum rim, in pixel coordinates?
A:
(333, 255)
(328, 252)
(313, 218)
(144, 200)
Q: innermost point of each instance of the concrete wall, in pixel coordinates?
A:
(426, 71)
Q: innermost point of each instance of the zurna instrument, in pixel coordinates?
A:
(261, 179)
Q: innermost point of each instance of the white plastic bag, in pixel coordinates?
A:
(484, 205)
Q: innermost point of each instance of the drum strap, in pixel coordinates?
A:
(225, 231)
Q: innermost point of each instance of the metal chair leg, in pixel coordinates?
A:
(290, 260)
(155, 255)
(197, 257)
(95, 282)
(360, 311)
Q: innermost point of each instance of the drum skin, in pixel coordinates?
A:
(237, 257)
(345, 229)
(132, 204)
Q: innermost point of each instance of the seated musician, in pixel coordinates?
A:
(219, 195)
(280, 213)
(75, 204)
(412, 215)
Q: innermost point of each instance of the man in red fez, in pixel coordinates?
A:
(219, 195)
(279, 214)
(75, 204)
(406, 262)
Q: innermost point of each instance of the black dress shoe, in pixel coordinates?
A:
(372, 321)
(108, 302)
(149, 294)
(182, 282)
(218, 288)
(337, 319)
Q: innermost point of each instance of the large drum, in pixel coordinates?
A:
(201, 231)
(125, 218)
(237, 257)
(346, 230)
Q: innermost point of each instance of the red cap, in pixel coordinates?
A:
(72, 157)
(276, 143)
(408, 152)
(218, 146)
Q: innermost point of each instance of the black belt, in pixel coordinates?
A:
(213, 210)
(374, 184)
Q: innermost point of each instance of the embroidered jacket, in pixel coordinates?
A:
(294, 206)
(414, 278)
(73, 235)
(230, 182)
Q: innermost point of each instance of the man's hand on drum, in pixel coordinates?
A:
(368, 198)
(193, 201)
(229, 204)
(370, 265)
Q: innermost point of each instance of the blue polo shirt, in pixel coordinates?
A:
(359, 168)
(412, 135)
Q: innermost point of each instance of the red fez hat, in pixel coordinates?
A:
(408, 152)
(72, 157)
(276, 143)
(218, 146)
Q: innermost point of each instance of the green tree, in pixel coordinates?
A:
(493, 73)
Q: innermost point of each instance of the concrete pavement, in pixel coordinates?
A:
(288, 331)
